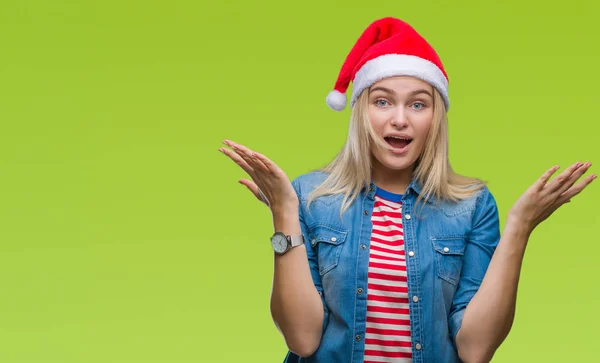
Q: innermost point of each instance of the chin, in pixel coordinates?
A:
(396, 163)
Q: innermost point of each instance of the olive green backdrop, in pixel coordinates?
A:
(124, 236)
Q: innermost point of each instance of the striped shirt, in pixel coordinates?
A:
(387, 338)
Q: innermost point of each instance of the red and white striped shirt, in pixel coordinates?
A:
(387, 338)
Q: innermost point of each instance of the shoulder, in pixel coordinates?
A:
(485, 205)
(474, 202)
(481, 196)
(485, 198)
(306, 183)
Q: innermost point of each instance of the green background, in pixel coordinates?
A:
(124, 236)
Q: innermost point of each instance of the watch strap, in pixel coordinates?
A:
(296, 240)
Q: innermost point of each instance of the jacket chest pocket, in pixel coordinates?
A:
(328, 242)
(448, 254)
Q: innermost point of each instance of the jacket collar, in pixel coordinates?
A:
(414, 186)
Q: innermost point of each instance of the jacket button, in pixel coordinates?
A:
(446, 249)
(366, 213)
(333, 239)
(411, 253)
(358, 338)
(359, 290)
(418, 346)
(363, 247)
(407, 216)
(415, 298)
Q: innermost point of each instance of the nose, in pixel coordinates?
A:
(400, 118)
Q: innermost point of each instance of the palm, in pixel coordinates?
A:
(544, 197)
(267, 182)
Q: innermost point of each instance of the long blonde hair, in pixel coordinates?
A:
(350, 171)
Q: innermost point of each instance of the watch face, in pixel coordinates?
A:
(279, 242)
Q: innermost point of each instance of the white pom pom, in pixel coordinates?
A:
(336, 100)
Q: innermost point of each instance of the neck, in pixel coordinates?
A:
(394, 181)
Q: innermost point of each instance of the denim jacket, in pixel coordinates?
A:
(452, 244)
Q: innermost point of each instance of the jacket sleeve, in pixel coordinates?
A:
(312, 262)
(311, 251)
(480, 246)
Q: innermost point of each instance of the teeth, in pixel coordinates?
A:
(399, 138)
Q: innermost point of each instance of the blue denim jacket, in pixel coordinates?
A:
(452, 244)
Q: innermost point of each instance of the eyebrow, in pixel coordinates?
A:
(413, 93)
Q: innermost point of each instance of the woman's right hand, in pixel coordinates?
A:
(268, 183)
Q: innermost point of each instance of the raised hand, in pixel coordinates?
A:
(268, 182)
(543, 198)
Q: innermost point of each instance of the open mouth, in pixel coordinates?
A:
(397, 142)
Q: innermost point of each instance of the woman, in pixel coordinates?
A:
(386, 254)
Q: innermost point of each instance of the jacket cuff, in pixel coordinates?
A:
(455, 323)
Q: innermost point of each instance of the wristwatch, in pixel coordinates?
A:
(282, 243)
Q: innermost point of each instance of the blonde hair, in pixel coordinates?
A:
(350, 171)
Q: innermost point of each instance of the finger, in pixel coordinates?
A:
(238, 160)
(247, 154)
(269, 165)
(264, 198)
(241, 149)
(559, 181)
(539, 185)
(259, 162)
(577, 188)
(254, 189)
(246, 158)
(574, 177)
(250, 157)
(251, 186)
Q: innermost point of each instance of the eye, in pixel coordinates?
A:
(418, 105)
(381, 102)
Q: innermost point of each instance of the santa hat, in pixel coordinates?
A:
(388, 47)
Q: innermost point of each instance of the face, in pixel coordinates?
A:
(401, 112)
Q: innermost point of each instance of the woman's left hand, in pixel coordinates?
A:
(544, 197)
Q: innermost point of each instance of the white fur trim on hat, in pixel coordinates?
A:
(336, 100)
(390, 65)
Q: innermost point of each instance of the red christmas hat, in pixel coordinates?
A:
(388, 47)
